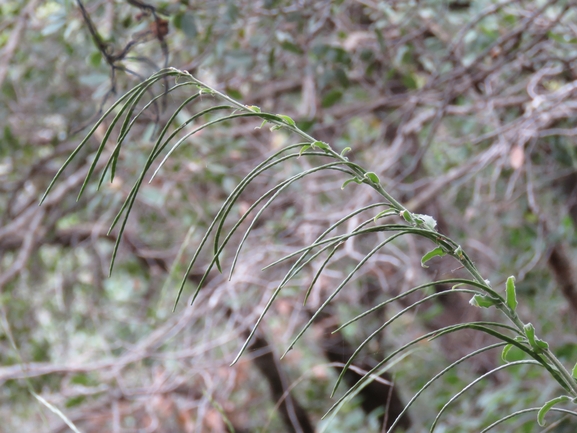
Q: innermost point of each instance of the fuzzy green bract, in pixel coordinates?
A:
(511, 298)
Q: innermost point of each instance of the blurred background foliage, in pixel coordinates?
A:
(464, 108)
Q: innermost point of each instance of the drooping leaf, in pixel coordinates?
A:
(505, 352)
(384, 213)
(345, 151)
(304, 149)
(353, 179)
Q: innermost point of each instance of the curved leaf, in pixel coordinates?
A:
(437, 252)
(474, 382)
(523, 411)
(547, 407)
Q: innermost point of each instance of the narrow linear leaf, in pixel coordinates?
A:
(153, 101)
(437, 376)
(520, 343)
(405, 294)
(443, 331)
(280, 188)
(304, 259)
(225, 208)
(127, 95)
(523, 411)
(384, 214)
(113, 160)
(130, 200)
(277, 290)
(322, 242)
(340, 286)
(319, 271)
(127, 108)
(474, 382)
(381, 328)
(229, 202)
(200, 128)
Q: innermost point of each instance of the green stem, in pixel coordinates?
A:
(462, 258)
(566, 375)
